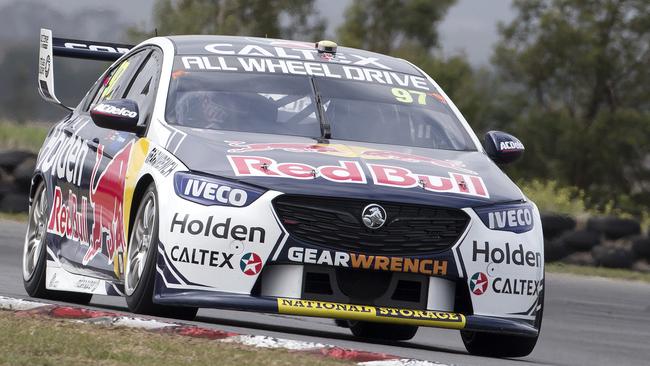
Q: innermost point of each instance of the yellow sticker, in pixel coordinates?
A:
(430, 318)
(136, 161)
(107, 93)
(408, 96)
(324, 309)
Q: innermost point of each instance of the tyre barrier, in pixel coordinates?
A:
(580, 240)
(614, 254)
(16, 169)
(605, 241)
(641, 246)
(555, 250)
(554, 225)
(614, 227)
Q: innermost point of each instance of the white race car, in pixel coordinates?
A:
(282, 177)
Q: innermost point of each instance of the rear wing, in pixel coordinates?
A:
(49, 47)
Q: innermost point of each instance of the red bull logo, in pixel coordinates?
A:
(464, 184)
(411, 158)
(344, 172)
(353, 172)
(68, 218)
(347, 151)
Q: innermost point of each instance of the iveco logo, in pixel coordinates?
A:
(373, 216)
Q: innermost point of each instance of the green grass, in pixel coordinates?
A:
(21, 216)
(550, 196)
(27, 136)
(26, 340)
(622, 274)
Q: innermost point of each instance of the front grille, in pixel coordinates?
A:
(362, 286)
(353, 286)
(317, 283)
(336, 224)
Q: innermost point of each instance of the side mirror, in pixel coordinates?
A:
(117, 114)
(502, 147)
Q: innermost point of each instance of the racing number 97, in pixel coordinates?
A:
(406, 96)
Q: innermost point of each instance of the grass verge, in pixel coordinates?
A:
(20, 216)
(39, 340)
(24, 136)
(621, 274)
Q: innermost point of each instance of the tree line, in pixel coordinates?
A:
(571, 78)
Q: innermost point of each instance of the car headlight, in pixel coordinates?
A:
(515, 217)
(212, 191)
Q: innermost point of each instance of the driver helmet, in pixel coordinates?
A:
(202, 109)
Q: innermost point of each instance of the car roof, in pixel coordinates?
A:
(287, 50)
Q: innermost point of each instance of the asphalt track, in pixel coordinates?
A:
(587, 321)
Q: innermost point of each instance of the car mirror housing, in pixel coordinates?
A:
(502, 147)
(118, 114)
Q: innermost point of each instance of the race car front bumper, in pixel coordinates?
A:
(490, 280)
(312, 308)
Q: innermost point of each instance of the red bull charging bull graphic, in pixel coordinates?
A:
(105, 202)
(107, 199)
(347, 151)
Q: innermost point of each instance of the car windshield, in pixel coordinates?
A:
(288, 104)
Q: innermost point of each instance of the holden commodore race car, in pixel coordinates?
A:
(282, 177)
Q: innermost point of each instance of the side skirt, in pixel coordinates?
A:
(57, 278)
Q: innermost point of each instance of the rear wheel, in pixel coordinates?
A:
(140, 274)
(392, 332)
(34, 253)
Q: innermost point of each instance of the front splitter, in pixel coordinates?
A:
(425, 318)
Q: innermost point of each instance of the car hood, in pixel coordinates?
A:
(347, 169)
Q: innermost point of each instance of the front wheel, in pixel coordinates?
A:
(34, 266)
(503, 345)
(140, 273)
(497, 345)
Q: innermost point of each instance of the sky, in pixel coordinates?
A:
(470, 26)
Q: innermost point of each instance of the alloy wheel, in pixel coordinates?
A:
(140, 243)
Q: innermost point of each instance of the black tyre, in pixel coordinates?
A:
(641, 246)
(391, 332)
(614, 254)
(553, 225)
(555, 249)
(502, 345)
(139, 279)
(614, 227)
(342, 323)
(34, 254)
(497, 345)
(581, 240)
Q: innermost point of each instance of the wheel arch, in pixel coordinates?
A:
(37, 178)
(138, 192)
